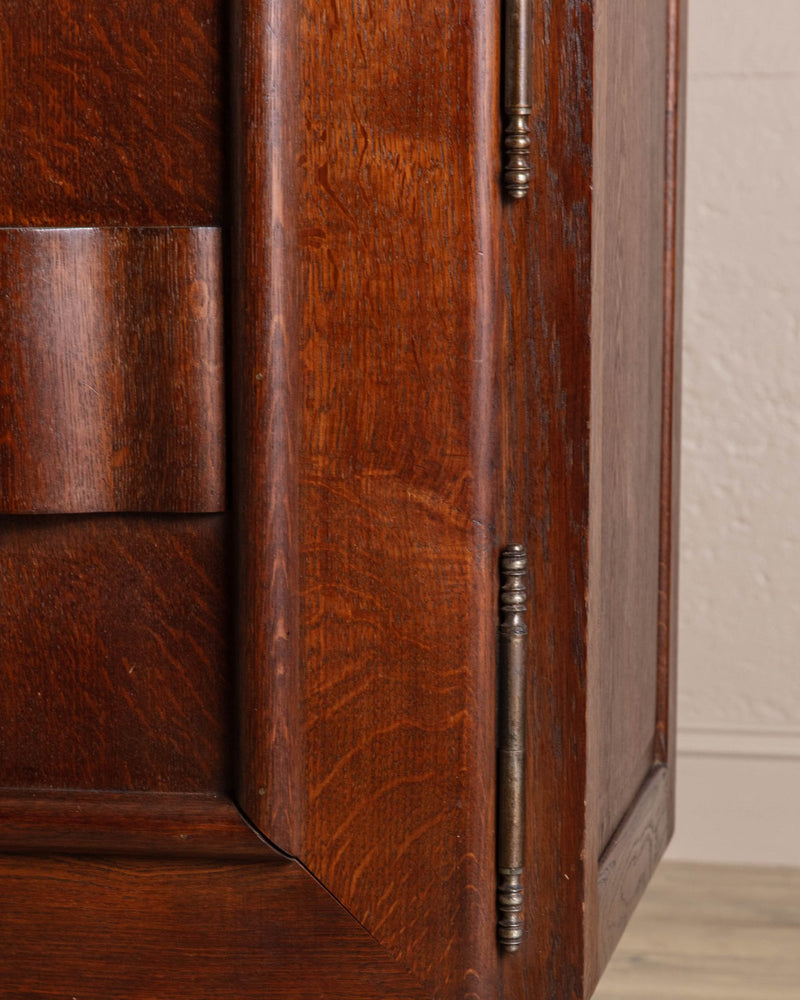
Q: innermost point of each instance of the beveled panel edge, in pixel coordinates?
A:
(630, 859)
(265, 390)
(130, 824)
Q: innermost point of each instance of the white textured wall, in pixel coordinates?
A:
(739, 644)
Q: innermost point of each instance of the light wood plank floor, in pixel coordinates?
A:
(705, 932)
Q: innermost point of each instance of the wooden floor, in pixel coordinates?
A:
(706, 932)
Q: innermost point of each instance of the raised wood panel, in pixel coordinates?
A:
(630, 78)
(142, 929)
(111, 370)
(631, 777)
(111, 113)
(127, 824)
(114, 653)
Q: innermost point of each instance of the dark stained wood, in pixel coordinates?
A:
(399, 204)
(114, 653)
(142, 929)
(547, 315)
(128, 824)
(112, 113)
(266, 403)
(630, 859)
(585, 353)
(111, 370)
(421, 373)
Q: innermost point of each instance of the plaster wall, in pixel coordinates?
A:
(739, 640)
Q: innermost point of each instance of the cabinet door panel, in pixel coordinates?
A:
(112, 114)
(112, 392)
(115, 652)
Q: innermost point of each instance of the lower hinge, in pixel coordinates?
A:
(511, 746)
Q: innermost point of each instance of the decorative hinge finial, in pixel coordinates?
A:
(517, 97)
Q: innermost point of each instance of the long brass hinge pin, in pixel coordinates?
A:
(511, 746)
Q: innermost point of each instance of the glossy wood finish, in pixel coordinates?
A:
(144, 929)
(398, 203)
(112, 390)
(111, 113)
(422, 372)
(114, 652)
(266, 403)
(129, 825)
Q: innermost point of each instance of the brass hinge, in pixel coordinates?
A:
(511, 746)
(517, 97)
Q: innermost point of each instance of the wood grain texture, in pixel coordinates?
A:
(114, 651)
(111, 370)
(546, 367)
(172, 930)
(634, 486)
(627, 376)
(583, 351)
(111, 113)
(266, 404)
(629, 861)
(399, 203)
(153, 825)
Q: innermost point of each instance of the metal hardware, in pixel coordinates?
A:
(517, 97)
(511, 746)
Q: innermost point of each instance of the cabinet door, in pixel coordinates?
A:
(126, 867)
(284, 371)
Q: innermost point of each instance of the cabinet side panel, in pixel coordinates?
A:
(399, 190)
(634, 460)
(627, 358)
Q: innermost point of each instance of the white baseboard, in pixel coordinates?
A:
(738, 798)
(729, 742)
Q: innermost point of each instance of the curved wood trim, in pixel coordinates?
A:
(111, 373)
(133, 825)
(265, 403)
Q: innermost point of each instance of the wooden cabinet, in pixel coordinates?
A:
(282, 373)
